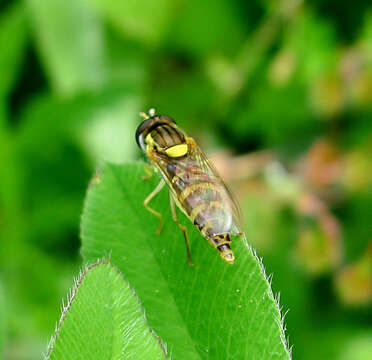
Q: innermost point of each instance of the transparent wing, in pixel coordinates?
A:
(198, 156)
(184, 175)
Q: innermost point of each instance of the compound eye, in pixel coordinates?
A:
(139, 140)
(167, 118)
(140, 132)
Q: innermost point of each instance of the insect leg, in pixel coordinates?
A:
(147, 168)
(152, 211)
(182, 227)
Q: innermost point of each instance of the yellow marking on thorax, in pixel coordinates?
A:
(190, 189)
(177, 150)
(149, 140)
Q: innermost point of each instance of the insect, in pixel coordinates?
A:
(194, 185)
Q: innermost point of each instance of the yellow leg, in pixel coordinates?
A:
(148, 170)
(152, 211)
(182, 227)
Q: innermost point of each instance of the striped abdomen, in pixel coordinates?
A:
(206, 203)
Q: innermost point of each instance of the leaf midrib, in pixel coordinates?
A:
(123, 190)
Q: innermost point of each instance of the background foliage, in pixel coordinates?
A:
(279, 93)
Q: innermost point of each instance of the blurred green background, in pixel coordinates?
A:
(278, 93)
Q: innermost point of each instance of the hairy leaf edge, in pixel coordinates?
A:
(71, 297)
(276, 298)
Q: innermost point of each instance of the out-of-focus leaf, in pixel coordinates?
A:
(2, 322)
(335, 340)
(79, 132)
(366, 38)
(265, 115)
(357, 165)
(109, 133)
(312, 40)
(126, 60)
(69, 36)
(12, 40)
(357, 226)
(261, 219)
(319, 247)
(103, 320)
(282, 67)
(48, 119)
(358, 347)
(321, 166)
(356, 68)
(211, 310)
(354, 282)
(316, 250)
(202, 31)
(184, 96)
(327, 95)
(145, 20)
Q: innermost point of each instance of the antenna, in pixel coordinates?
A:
(150, 114)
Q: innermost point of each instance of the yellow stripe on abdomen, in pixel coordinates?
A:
(191, 188)
(197, 210)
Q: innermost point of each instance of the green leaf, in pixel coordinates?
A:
(103, 320)
(211, 310)
(2, 322)
(70, 38)
(145, 20)
(12, 40)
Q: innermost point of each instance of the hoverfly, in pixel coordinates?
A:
(194, 185)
